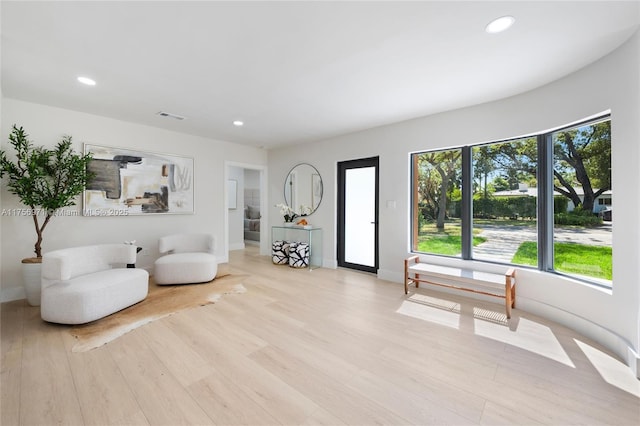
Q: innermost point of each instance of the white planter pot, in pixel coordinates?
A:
(31, 278)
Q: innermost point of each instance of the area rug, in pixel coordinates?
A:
(162, 301)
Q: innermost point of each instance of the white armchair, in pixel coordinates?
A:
(187, 259)
(80, 285)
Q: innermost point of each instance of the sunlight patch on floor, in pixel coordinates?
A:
(430, 309)
(612, 371)
(435, 302)
(528, 335)
(489, 315)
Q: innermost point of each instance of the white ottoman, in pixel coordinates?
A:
(298, 255)
(280, 252)
(185, 268)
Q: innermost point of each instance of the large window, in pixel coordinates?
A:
(582, 206)
(504, 200)
(437, 206)
(543, 201)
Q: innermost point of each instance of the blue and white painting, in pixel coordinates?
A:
(128, 182)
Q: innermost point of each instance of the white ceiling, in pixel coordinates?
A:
(294, 72)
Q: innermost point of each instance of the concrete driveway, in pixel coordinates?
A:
(503, 241)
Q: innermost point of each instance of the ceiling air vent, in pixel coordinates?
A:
(168, 114)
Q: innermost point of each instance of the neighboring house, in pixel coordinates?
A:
(603, 202)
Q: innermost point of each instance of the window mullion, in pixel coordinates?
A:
(467, 203)
(545, 202)
(415, 222)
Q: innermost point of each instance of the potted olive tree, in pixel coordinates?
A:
(45, 180)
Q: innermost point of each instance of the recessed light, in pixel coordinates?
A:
(86, 80)
(500, 24)
(238, 123)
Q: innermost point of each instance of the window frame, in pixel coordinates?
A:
(545, 200)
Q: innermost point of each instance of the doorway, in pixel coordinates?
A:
(245, 212)
(358, 214)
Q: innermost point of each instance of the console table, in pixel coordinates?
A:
(312, 236)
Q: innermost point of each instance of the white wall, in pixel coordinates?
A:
(46, 125)
(612, 318)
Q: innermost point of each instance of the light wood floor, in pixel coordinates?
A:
(325, 347)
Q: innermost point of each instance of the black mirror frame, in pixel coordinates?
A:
(321, 195)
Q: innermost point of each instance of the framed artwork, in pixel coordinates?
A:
(232, 194)
(129, 182)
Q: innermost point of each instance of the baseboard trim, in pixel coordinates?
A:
(12, 293)
(393, 276)
(607, 338)
(236, 246)
(330, 264)
(633, 360)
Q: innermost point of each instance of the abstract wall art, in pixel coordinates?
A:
(128, 182)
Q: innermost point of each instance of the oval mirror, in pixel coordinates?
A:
(303, 189)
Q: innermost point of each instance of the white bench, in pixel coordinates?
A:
(487, 283)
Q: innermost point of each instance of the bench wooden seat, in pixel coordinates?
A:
(487, 283)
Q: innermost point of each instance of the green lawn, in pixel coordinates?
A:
(445, 244)
(527, 254)
(571, 258)
(591, 261)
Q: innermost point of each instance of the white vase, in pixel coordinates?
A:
(288, 224)
(31, 279)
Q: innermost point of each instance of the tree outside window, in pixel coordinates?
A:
(505, 201)
(437, 180)
(582, 177)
